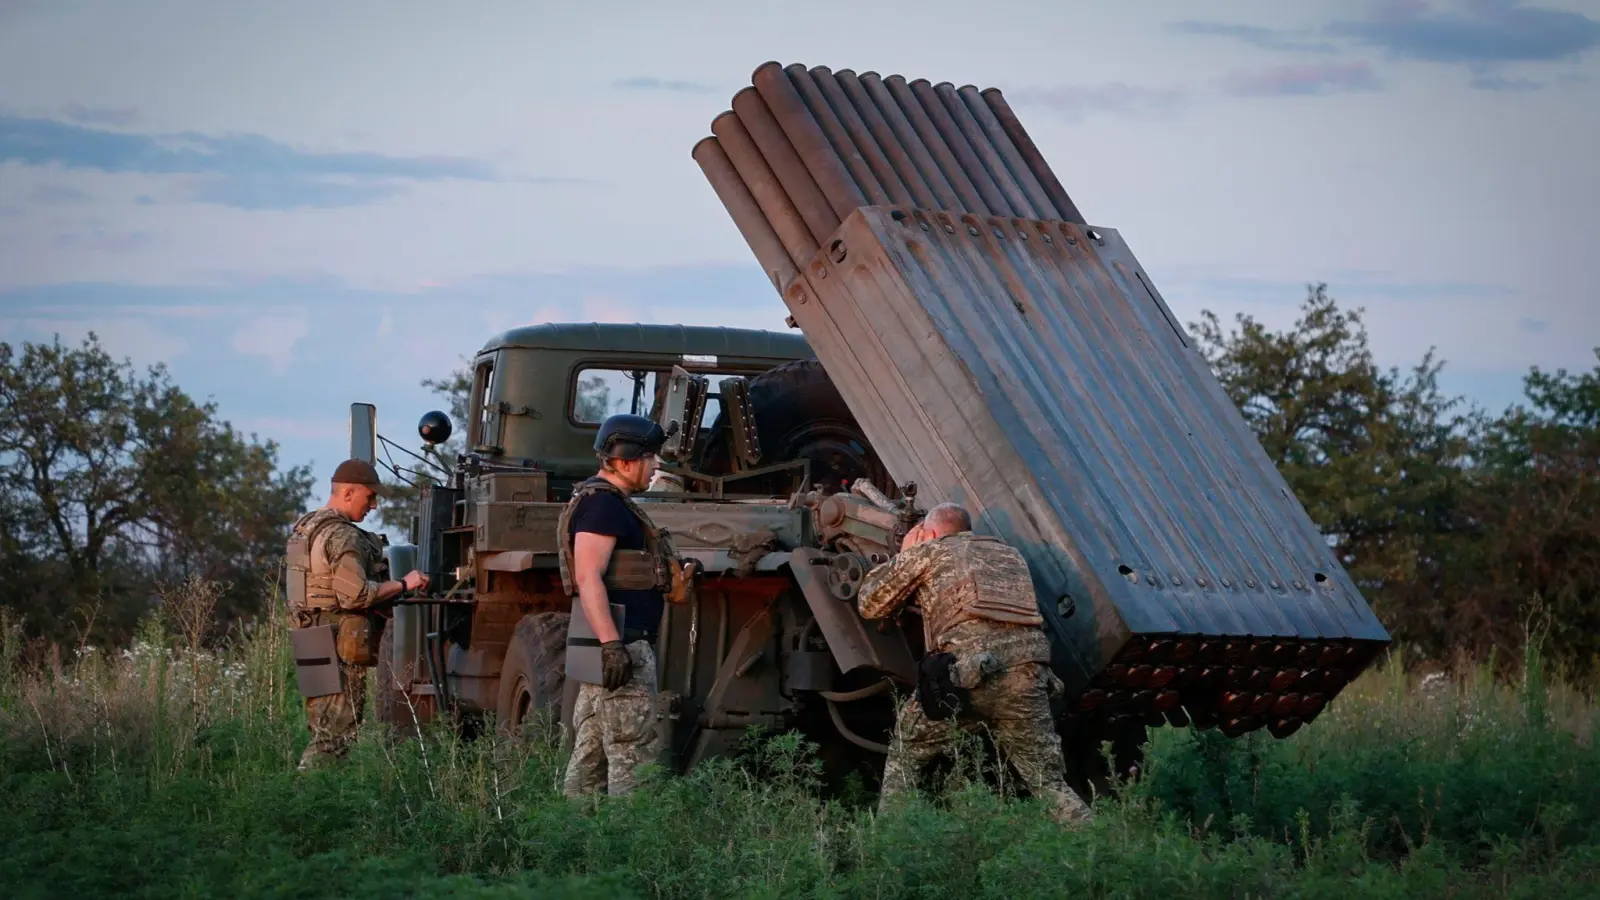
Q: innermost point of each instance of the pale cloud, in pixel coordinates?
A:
(273, 337)
(280, 427)
(1302, 80)
(124, 337)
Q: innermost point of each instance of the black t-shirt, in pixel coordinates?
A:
(606, 513)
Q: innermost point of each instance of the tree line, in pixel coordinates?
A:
(1460, 525)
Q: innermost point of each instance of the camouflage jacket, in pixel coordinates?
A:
(958, 579)
(346, 563)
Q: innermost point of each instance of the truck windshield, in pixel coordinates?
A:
(601, 392)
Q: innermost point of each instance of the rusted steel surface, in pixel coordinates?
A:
(1002, 353)
(811, 145)
(1028, 370)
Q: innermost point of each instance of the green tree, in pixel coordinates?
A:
(1532, 535)
(403, 488)
(1376, 457)
(114, 480)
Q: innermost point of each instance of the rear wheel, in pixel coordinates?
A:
(799, 414)
(534, 675)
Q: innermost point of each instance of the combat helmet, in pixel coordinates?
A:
(626, 436)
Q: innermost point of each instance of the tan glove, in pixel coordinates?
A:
(683, 573)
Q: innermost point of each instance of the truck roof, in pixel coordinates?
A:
(640, 338)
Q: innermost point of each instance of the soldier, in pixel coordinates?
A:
(611, 553)
(988, 657)
(337, 575)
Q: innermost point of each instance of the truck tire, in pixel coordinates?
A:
(533, 675)
(799, 414)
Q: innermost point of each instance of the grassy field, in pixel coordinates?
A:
(162, 772)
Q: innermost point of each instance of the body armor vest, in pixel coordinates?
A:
(993, 581)
(309, 589)
(312, 601)
(629, 570)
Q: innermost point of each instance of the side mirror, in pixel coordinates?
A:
(434, 427)
(364, 432)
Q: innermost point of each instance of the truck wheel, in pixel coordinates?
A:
(533, 674)
(800, 415)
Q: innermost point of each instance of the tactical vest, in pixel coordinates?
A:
(629, 570)
(311, 590)
(307, 589)
(312, 602)
(991, 600)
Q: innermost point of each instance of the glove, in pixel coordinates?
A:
(615, 665)
(976, 669)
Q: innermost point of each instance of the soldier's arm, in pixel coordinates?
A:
(351, 586)
(888, 586)
(591, 554)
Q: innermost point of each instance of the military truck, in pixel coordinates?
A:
(967, 336)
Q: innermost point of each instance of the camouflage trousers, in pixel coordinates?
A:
(1014, 705)
(333, 719)
(614, 732)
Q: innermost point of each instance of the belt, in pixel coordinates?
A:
(629, 635)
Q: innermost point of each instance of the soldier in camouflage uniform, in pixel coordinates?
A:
(611, 553)
(345, 576)
(978, 607)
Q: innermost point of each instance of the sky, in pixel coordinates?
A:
(298, 205)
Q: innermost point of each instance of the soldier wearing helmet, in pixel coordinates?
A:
(337, 576)
(612, 554)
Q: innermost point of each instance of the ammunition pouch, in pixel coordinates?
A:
(358, 637)
(937, 691)
(316, 666)
(632, 570)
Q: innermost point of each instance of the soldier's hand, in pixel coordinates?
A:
(915, 536)
(615, 665)
(415, 581)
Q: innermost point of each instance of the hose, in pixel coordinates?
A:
(871, 690)
(851, 736)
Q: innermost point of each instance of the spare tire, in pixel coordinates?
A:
(799, 414)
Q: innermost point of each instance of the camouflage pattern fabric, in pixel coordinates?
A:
(958, 578)
(1014, 706)
(614, 732)
(335, 719)
(976, 598)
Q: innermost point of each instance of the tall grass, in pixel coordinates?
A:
(168, 771)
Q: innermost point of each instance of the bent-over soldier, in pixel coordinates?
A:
(611, 553)
(337, 575)
(987, 656)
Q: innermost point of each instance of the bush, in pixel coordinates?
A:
(169, 771)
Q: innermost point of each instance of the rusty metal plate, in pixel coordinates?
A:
(1029, 370)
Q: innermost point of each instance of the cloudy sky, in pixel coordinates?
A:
(298, 204)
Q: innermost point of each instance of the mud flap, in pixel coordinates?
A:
(855, 642)
(583, 645)
(316, 664)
